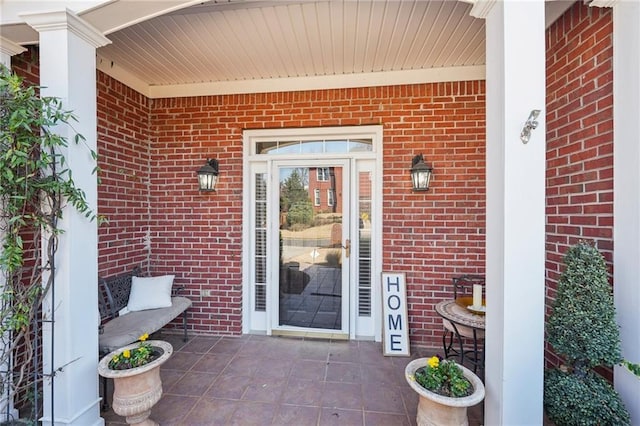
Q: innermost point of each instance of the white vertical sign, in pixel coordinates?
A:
(394, 314)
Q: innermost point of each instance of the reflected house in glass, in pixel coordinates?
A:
(324, 189)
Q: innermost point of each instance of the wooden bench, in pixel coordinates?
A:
(117, 330)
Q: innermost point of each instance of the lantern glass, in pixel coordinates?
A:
(420, 174)
(208, 176)
(207, 181)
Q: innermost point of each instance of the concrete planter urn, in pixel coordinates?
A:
(136, 390)
(439, 410)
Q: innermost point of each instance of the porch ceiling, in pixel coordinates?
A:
(230, 46)
(232, 41)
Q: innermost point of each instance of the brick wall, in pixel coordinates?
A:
(123, 193)
(123, 157)
(579, 137)
(27, 65)
(430, 236)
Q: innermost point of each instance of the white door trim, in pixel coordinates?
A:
(373, 328)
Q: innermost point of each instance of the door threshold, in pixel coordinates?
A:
(311, 334)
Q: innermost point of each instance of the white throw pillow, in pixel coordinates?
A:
(150, 292)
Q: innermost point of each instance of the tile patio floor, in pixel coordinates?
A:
(260, 380)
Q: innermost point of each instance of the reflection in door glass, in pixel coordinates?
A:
(310, 274)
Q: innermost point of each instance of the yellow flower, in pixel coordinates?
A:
(144, 337)
(433, 362)
(115, 358)
(126, 353)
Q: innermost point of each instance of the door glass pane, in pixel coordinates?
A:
(314, 146)
(311, 235)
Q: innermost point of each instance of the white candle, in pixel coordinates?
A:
(477, 295)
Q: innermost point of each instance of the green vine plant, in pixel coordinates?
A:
(634, 368)
(35, 187)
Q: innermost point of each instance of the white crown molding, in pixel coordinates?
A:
(7, 47)
(481, 8)
(125, 77)
(66, 20)
(391, 78)
(602, 3)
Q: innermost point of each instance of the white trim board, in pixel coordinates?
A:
(373, 79)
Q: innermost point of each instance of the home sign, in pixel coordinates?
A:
(394, 314)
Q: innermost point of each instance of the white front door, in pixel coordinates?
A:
(313, 261)
(312, 232)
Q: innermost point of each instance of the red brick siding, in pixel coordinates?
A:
(123, 157)
(579, 137)
(27, 65)
(430, 236)
(124, 161)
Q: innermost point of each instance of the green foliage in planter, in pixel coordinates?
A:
(583, 330)
(586, 401)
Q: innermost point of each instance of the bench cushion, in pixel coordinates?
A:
(126, 329)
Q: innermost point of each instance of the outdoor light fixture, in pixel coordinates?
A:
(208, 176)
(529, 125)
(420, 174)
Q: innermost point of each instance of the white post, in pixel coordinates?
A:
(626, 187)
(515, 249)
(68, 71)
(7, 410)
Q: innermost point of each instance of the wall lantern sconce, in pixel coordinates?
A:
(420, 174)
(208, 176)
(529, 125)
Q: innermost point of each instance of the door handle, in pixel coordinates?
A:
(347, 248)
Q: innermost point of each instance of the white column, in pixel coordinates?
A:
(515, 249)
(68, 71)
(7, 50)
(626, 187)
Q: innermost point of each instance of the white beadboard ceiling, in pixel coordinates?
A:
(233, 46)
(265, 40)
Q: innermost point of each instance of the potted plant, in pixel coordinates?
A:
(583, 330)
(135, 370)
(446, 389)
